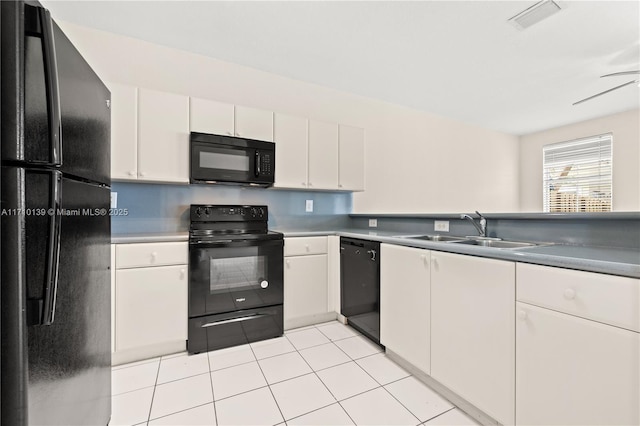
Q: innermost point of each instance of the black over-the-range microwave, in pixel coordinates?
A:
(232, 160)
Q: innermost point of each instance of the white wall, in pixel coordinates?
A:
(625, 127)
(415, 161)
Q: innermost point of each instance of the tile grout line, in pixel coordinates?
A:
(180, 411)
(267, 382)
(444, 412)
(381, 385)
(213, 394)
(153, 395)
(325, 385)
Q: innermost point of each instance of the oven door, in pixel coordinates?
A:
(234, 275)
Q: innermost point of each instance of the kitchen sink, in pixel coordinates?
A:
(442, 238)
(495, 243)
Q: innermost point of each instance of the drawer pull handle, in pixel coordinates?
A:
(569, 294)
(154, 256)
(307, 247)
(231, 320)
(288, 263)
(182, 273)
(522, 315)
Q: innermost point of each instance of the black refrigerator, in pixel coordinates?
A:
(55, 315)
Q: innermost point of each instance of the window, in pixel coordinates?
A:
(577, 175)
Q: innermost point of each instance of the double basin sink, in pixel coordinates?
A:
(475, 241)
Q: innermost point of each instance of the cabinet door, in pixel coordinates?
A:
(163, 136)
(206, 116)
(473, 330)
(291, 136)
(573, 371)
(405, 303)
(252, 123)
(305, 286)
(351, 158)
(113, 297)
(323, 155)
(124, 133)
(151, 306)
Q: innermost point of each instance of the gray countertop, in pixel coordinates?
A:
(149, 238)
(608, 260)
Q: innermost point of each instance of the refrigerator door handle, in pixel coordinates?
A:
(53, 98)
(53, 252)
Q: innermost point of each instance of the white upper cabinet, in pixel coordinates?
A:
(323, 155)
(252, 123)
(124, 133)
(351, 158)
(291, 137)
(163, 136)
(206, 116)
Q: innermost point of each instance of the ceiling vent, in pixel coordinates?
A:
(535, 14)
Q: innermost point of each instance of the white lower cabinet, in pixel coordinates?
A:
(405, 303)
(578, 349)
(573, 371)
(305, 281)
(151, 306)
(149, 302)
(473, 331)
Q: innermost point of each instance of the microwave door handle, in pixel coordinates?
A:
(257, 164)
(53, 252)
(53, 94)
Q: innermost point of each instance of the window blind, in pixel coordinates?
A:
(577, 175)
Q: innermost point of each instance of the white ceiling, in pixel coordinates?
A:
(460, 59)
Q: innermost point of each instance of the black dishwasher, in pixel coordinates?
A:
(360, 285)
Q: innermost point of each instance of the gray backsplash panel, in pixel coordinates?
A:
(606, 230)
(158, 208)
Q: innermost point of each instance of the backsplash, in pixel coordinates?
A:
(165, 208)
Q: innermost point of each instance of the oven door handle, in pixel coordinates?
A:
(232, 320)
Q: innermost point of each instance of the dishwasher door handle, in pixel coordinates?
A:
(373, 254)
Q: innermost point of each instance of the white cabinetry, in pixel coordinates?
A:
(323, 155)
(163, 136)
(149, 135)
(207, 116)
(124, 131)
(305, 281)
(113, 298)
(253, 123)
(291, 138)
(150, 300)
(405, 303)
(572, 370)
(473, 331)
(351, 158)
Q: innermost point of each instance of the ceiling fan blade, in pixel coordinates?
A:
(606, 91)
(620, 73)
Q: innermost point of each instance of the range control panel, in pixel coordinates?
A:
(226, 213)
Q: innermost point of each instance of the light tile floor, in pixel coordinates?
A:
(319, 375)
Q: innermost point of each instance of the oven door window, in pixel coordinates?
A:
(237, 272)
(239, 275)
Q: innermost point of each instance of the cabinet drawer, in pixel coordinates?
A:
(151, 254)
(305, 245)
(599, 297)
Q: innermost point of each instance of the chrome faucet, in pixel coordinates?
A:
(482, 228)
